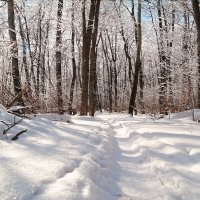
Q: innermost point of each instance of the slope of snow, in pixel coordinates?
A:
(57, 160)
(109, 157)
(186, 116)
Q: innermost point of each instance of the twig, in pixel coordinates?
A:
(16, 137)
(11, 126)
(5, 123)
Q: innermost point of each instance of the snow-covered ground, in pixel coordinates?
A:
(109, 157)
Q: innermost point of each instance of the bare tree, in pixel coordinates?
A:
(93, 58)
(59, 57)
(196, 10)
(73, 60)
(132, 102)
(14, 49)
(87, 39)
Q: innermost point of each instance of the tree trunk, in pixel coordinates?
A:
(186, 100)
(141, 84)
(45, 49)
(32, 75)
(132, 103)
(127, 54)
(59, 57)
(162, 57)
(113, 50)
(73, 61)
(196, 10)
(93, 57)
(109, 74)
(39, 58)
(24, 46)
(14, 50)
(87, 35)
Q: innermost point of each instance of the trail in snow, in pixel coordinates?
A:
(109, 157)
(158, 160)
(58, 160)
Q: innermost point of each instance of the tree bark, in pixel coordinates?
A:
(24, 47)
(93, 58)
(162, 56)
(14, 50)
(109, 74)
(73, 61)
(39, 58)
(32, 74)
(59, 57)
(87, 35)
(196, 10)
(113, 61)
(132, 102)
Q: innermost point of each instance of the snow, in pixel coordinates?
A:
(109, 157)
(158, 160)
(53, 117)
(16, 108)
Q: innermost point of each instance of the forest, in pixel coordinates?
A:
(81, 56)
(99, 99)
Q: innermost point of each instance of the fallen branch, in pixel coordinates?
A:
(20, 111)
(5, 123)
(16, 137)
(20, 95)
(11, 126)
